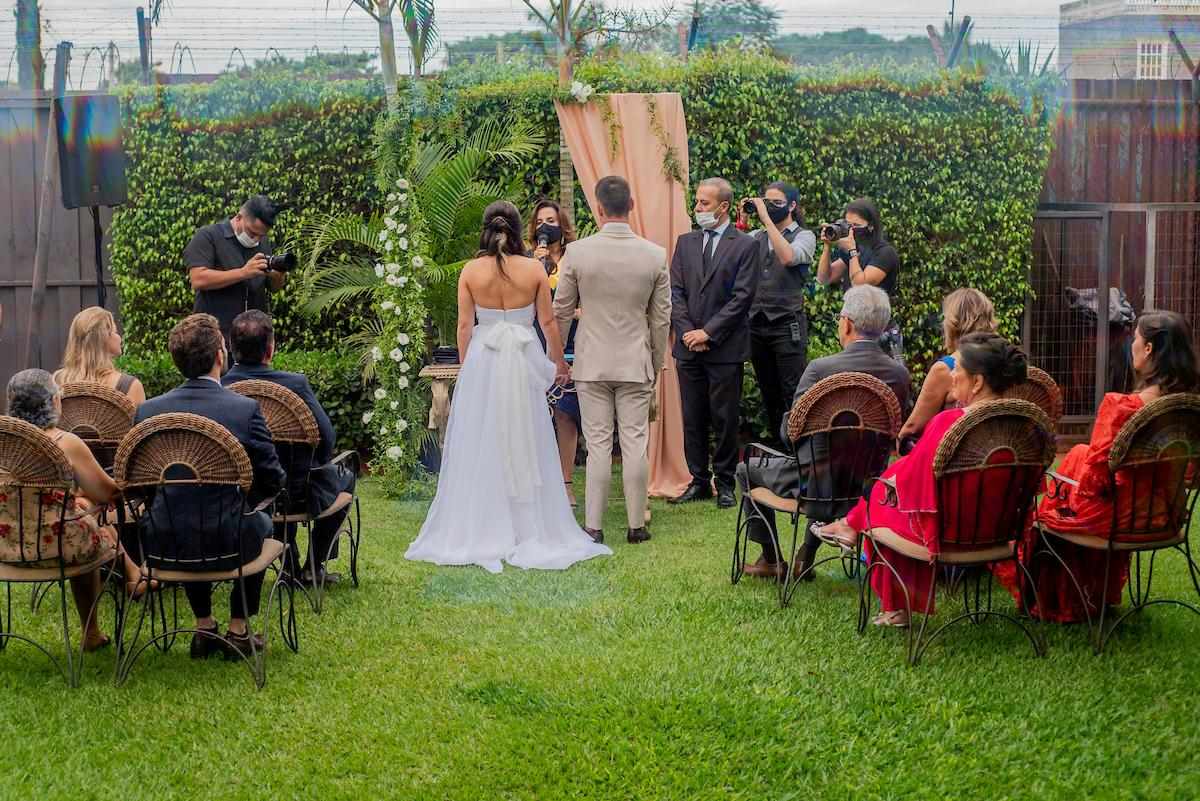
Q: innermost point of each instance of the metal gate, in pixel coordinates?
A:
(1150, 252)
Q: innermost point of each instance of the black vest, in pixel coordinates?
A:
(781, 290)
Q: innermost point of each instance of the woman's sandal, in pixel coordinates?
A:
(831, 539)
(895, 620)
(97, 645)
(571, 495)
(136, 590)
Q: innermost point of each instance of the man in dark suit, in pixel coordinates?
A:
(865, 314)
(190, 522)
(714, 274)
(253, 345)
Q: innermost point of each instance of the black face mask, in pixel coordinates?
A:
(778, 213)
(550, 233)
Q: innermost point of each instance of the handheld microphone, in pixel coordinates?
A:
(543, 241)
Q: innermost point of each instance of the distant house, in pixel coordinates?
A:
(1103, 39)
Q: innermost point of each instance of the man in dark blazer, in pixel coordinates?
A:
(253, 345)
(195, 523)
(865, 314)
(714, 274)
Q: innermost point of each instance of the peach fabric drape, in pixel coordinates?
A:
(660, 214)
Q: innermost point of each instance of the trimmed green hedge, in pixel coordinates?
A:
(197, 152)
(336, 377)
(954, 164)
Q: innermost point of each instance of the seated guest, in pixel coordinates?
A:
(92, 343)
(986, 367)
(964, 311)
(253, 347)
(865, 315)
(180, 523)
(1164, 362)
(34, 397)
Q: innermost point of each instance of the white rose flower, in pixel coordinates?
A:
(390, 223)
(368, 417)
(394, 405)
(401, 426)
(402, 185)
(376, 353)
(581, 91)
(392, 268)
(387, 246)
(402, 338)
(401, 228)
(401, 280)
(397, 355)
(402, 243)
(403, 366)
(379, 271)
(380, 393)
(387, 305)
(395, 452)
(402, 382)
(391, 197)
(383, 431)
(418, 262)
(393, 280)
(383, 235)
(402, 199)
(399, 311)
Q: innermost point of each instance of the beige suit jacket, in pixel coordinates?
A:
(623, 286)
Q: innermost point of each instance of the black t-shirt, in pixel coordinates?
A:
(215, 246)
(881, 255)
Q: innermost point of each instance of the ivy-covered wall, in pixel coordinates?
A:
(954, 164)
(197, 152)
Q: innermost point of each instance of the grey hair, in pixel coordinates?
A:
(723, 187)
(31, 398)
(868, 309)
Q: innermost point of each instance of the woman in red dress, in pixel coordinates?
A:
(1164, 362)
(987, 366)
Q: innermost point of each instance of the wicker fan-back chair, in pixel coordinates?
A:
(1154, 483)
(294, 427)
(178, 450)
(98, 415)
(842, 429)
(988, 469)
(33, 469)
(1040, 389)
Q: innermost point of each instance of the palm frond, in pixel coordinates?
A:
(338, 284)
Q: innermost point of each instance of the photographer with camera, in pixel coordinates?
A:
(231, 266)
(857, 252)
(778, 323)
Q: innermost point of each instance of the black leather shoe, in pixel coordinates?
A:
(596, 534)
(726, 498)
(239, 645)
(694, 492)
(636, 535)
(204, 646)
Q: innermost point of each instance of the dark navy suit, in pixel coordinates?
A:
(324, 480)
(206, 525)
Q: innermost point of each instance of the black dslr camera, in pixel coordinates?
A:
(748, 206)
(282, 263)
(835, 230)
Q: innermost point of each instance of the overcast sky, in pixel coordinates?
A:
(212, 28)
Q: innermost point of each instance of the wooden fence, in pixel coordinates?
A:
(71, 270)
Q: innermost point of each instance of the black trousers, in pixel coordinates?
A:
(325, 484)
(779, 353)
(783, 477)
(199, 595)
(711, 396)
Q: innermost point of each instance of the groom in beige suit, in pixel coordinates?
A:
(622, 285)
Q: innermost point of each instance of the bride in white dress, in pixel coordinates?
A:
(500, 495)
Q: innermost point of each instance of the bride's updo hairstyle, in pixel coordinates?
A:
(501, 234)
(1000, 363)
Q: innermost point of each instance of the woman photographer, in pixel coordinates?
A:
(549, 234)
(857, 252)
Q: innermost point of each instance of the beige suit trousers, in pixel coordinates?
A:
(628, 402)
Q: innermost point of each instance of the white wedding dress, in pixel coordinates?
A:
(500, 495)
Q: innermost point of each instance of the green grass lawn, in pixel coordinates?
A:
(640, 676)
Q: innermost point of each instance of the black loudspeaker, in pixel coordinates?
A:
(90, 153)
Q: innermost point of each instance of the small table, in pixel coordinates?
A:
(441, 377)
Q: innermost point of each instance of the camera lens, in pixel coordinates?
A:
(284, 262)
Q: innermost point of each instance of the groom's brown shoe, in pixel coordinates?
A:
(636, 535)
(596, 534)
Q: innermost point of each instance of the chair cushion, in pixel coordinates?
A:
(18, 574)
(764, 497)
(339, 503)
(271, 550)
(958, 556)
(1095, 543)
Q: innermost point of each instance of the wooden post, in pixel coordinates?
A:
(31, 69)
(935, 42)
(45, 219)
(1193, 69)
(682, 30)
(144, 45)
